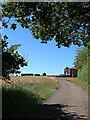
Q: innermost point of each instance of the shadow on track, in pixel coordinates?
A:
(54, 112)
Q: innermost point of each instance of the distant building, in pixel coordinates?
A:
(70, 71)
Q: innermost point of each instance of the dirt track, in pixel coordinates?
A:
(69, 102)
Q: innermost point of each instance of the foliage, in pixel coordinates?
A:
(83, 73)
(65, 22)
(12, 60)
(81, 63)
(81, 57)
(44, 74)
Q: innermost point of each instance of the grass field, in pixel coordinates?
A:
(22, 95)
(83, 85)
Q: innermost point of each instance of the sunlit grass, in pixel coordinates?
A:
(83, 85)
(22, 95)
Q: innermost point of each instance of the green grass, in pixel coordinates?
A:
(18, 102)
(83, 85)
(21, 100)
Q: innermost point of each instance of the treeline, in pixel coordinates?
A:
(31, 74)
(81, 64)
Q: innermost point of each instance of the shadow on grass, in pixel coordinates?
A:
(18, 103)
(21, 104)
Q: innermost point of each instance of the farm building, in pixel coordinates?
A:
(70, 71)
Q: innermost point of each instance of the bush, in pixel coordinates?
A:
(83, 73)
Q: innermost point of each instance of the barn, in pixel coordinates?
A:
(70, 71)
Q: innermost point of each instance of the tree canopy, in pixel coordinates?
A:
(65, 22)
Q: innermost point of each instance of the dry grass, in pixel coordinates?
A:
(83, 85)
(16, 80)
(42, 85)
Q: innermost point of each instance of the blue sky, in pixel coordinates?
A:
(46, 58)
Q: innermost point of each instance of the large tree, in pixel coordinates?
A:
(65, 22)
(11, 59)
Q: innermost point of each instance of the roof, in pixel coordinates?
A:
(71, 67)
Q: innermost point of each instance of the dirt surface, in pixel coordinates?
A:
(69, 102)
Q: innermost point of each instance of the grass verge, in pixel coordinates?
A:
(82, 84)
(23, 97)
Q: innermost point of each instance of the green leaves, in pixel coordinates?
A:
(81, 63)
(12, 60)
(13, 48)
(66, 22)
(81, 58)
(5, 37)
(13, 26)
(4, 24)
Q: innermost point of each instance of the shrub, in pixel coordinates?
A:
(83, 73)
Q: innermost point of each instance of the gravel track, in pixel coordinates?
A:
(69, 102)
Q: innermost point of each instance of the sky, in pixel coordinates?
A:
(43, 58)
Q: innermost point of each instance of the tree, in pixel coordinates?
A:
(66, 22)
(81, 57)
(81, 63)
(11, 60)
(44, 74)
